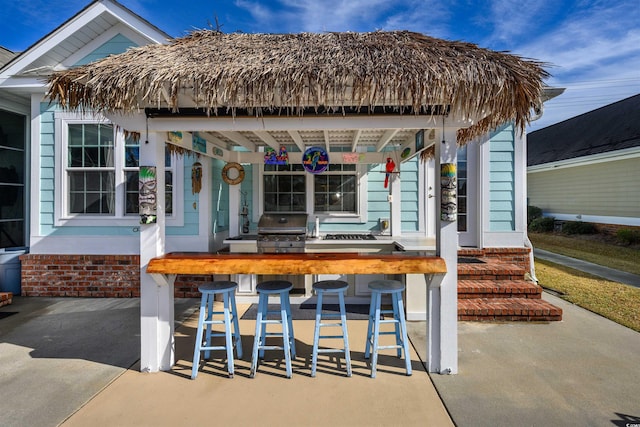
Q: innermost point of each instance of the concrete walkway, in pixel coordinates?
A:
(591, 268)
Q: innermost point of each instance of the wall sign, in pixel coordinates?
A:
(273, 158)
(147, 195)
(448, 192)
(315, 159)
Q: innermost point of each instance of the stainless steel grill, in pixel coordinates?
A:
(282, 233)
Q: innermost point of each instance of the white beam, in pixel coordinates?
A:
(268, 139)
(385, 138)
(239, 139)
(355, 139)
(221, 124)
(297, 139)
(325, 133)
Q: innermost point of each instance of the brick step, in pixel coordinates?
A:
(498, 289)
(6, 298)
(490, 269)
(507, 309)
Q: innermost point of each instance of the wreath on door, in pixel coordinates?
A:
(239, 174)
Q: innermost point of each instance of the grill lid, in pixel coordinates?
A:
(283, 223)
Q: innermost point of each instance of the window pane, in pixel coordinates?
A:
(75, 134)
(12, 233)
(92, 192)
(335, 193)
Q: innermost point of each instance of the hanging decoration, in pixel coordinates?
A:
(389, 168)
(233, 173)
(315, 160)
(196, 178)
(273, 158)
(147, 200)
(448, 192)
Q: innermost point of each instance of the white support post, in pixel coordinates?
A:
(156, 301)
(442, 294)
(395, 204)
(234, 209)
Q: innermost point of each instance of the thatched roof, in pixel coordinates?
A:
(259, 72)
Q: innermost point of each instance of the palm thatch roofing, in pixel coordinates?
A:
(291, 73)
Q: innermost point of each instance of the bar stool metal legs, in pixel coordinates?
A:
(206, 318)
(280, 288)
(336, 287)
(395, 289)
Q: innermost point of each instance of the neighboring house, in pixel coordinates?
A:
(587, 168)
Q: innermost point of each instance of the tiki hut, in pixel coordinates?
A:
(400, 72)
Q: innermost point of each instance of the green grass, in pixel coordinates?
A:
(617, 302)
(590, 248)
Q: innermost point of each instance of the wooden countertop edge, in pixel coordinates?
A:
(301, 263)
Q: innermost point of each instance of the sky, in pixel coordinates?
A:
(592, 47)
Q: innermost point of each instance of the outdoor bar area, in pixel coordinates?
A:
(333, 161)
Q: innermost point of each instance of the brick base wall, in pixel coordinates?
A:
(516, 256)
(118, 276)
(99, 276)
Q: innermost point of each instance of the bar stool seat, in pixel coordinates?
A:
(331, 287)
(206, 318)
(394, 288)
(266, 289)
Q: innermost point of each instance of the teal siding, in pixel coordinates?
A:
(47, 167)
(410, 206)
(501, 179)
(117, 44)
(191, 217)
(377, 206)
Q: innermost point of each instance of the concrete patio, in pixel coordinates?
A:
(74, 362)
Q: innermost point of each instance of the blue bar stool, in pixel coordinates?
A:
(266, 289)
(229, 315)
(337, 287)
(378, 289)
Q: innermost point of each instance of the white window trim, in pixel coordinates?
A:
(63, 218)
(333, 217)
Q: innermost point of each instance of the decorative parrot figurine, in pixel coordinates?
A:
(389, 167)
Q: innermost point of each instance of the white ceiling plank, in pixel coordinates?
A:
(268, 139)
(297, 139)
(386, 137)
(239, 139)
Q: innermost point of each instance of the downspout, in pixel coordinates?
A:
(538, 110)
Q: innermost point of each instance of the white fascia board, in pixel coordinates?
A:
(137, 24)
(127, 18)
(627, 153)
(53, 39)
(218, 124)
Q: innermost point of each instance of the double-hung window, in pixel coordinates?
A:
(336, 194)
(97, 181)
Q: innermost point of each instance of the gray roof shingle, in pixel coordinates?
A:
(610, 128)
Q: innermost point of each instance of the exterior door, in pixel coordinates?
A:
(12, 180)
(468, 188)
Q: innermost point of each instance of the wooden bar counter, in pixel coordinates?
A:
(296, 263)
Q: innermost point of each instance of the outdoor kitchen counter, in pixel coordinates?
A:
(297, 263)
